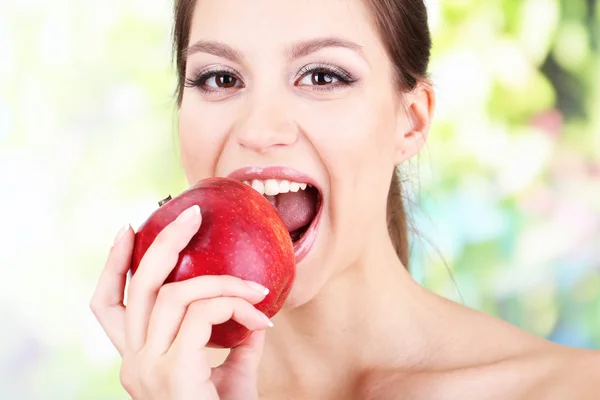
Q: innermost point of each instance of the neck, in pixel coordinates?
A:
(372, 315)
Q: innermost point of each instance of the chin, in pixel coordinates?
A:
(312, 274)
(301, 294)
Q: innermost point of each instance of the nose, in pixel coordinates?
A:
(265, 125)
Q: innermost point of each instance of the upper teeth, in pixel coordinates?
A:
(272, 187)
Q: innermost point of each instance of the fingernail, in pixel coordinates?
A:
(189, 214)
(121, 233)
(268, 321)
(258, 287)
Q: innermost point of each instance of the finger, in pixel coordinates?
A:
(107, 301)
(158, 261)
(202, 315)
(247, 355)
(174, 298)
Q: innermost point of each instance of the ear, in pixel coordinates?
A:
(414, 118)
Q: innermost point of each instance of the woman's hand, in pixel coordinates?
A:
(162, 333)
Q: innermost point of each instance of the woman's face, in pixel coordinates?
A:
(304, 86)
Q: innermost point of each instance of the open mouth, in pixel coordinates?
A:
(295, 197)
(297, 203)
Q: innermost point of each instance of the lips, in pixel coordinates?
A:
(277, 181)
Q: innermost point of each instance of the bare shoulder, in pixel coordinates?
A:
(552, 372)
(576, 375)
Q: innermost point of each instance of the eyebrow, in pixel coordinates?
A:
(215, 48)
(306, 47)
(295, 51)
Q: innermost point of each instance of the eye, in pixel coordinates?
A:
(318, 78)
(215, 80)
(221, 81)
(324, 77)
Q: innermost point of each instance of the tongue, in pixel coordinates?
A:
(295, 209)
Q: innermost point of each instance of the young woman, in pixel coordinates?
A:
(334, 95)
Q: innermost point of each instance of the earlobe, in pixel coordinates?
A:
(410, 145)
(414, 121)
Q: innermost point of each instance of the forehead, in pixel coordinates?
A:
(253, 24)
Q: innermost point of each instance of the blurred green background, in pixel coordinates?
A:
(505, 199)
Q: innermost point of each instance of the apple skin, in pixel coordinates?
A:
(241, 234)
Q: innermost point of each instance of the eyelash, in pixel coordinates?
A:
(343, 78)
(201, 77)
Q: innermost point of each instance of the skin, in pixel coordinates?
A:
(356, 325)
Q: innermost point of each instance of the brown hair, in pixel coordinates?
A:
(403, 27)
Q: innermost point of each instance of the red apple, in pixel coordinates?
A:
(241, 235)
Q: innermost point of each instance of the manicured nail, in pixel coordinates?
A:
(258, 287)
(189, 215)
(121, 233)
(269, 322)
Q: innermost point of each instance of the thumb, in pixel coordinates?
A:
(247, 355)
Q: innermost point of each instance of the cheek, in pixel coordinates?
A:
(202, 132)
(354, 137)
